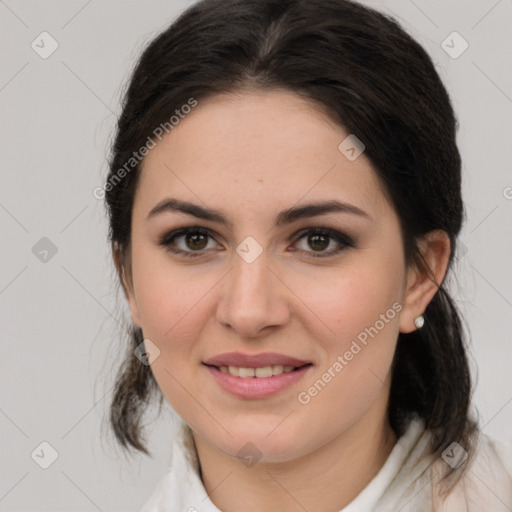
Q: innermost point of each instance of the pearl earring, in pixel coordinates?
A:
(419, 321)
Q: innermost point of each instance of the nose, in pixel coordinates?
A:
(254, 298)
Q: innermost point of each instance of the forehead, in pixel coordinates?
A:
(255, 149)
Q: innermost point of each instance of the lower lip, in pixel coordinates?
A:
(257, 387)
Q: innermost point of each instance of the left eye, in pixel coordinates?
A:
(196, 239)
(320, 238)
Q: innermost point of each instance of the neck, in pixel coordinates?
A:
(326, 479)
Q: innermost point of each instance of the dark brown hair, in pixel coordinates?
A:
(373, 79)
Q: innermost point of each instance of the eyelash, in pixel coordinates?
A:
(346, 242)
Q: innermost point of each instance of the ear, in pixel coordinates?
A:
(126, 282)
(422, 285)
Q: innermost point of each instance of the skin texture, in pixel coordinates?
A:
(251, 155)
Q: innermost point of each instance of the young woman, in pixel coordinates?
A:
(285, 199)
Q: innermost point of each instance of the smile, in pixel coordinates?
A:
(256, 383)
(261, 372)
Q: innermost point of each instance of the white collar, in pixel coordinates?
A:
(403, 483)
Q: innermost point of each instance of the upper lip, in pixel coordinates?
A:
(254, 360)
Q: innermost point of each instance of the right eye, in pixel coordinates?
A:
(194, 238)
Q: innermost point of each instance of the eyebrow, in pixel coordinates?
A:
(284, 217)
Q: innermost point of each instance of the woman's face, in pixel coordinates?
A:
(259, 284)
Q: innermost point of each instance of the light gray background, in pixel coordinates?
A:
(58, 318)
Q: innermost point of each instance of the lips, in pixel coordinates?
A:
(256, 376)
(242, 360)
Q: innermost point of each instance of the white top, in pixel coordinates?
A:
(406, 481)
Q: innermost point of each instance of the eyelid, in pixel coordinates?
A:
(324, 229)
(344, 240)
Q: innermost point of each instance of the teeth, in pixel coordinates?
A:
(245, 372)
(277, 369)
(234, 370)
(262, 372)
(266, 371)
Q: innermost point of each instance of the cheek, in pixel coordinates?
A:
(362, 306)
(172, 313)
(168, 295)
(351, 300)
(363, 311)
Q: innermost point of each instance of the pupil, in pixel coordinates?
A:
(315, 239)
(194, 238)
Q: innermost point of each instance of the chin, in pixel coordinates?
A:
(263, 440)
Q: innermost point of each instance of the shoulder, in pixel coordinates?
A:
(498, 451)
(486, 482)
(483, 483)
